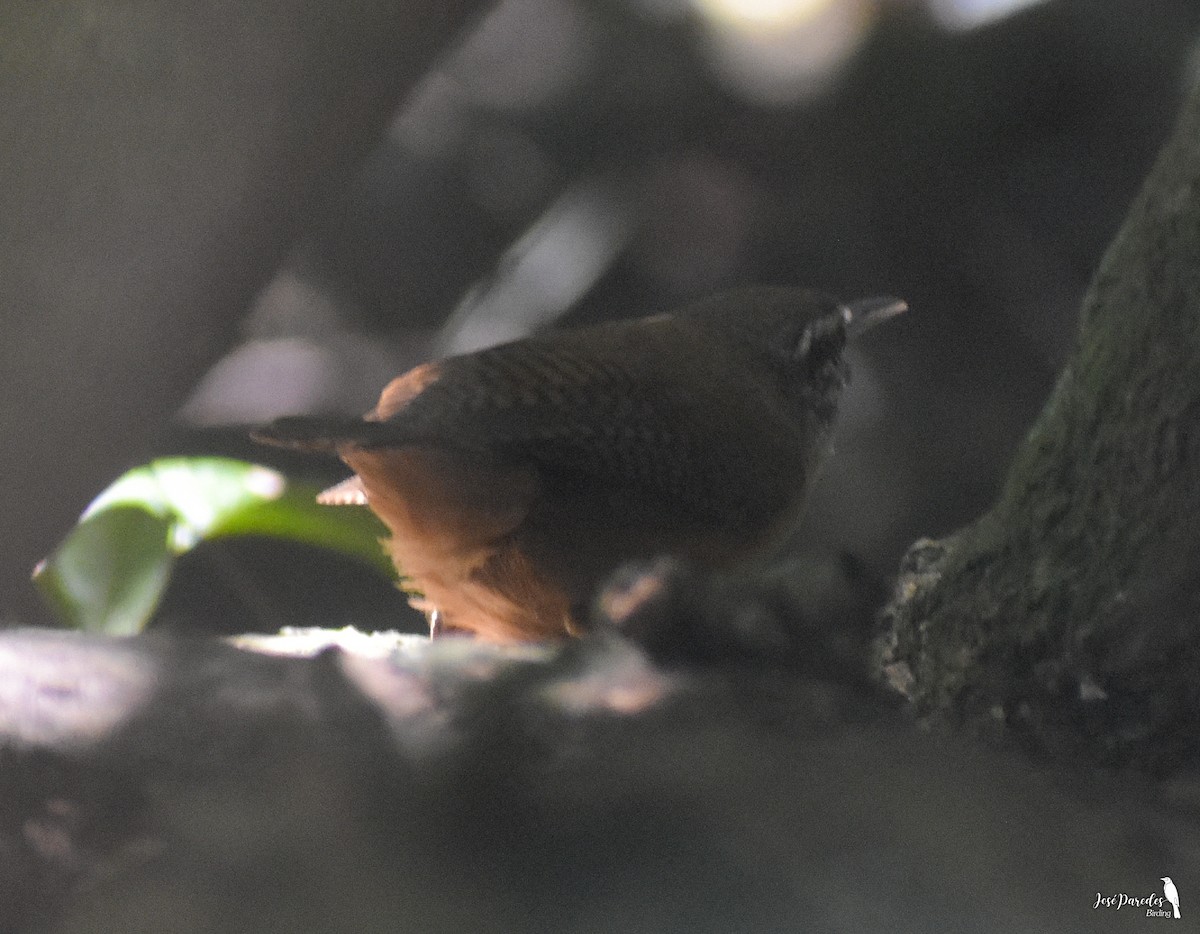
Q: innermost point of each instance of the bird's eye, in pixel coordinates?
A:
(822, 339)
(804, 344)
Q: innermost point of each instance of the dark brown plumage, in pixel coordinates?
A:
(515, 479)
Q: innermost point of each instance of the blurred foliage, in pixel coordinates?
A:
(566, 161)
(111, 571)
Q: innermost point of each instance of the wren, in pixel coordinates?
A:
(516, 479)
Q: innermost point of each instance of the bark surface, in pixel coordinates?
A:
(1069, 611)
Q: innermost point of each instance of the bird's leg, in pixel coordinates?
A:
(435, 624)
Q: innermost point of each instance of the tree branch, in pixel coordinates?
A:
(1069, 611)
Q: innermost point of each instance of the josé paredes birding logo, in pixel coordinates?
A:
(1155, 905)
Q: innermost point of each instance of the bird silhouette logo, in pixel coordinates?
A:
(1171, 893)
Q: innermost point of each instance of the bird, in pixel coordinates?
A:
(1171, 893)
(515, 479)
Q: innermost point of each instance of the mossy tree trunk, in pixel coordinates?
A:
(1070, 612)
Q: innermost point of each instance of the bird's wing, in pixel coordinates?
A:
(561, 388)
(650, 405)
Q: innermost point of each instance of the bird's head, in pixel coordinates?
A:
(797, 336)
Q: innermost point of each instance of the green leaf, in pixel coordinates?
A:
(112, 569)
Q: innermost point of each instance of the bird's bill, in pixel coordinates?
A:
(866, 313)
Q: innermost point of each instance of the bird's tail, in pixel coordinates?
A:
(308, 433)
(1176, 907)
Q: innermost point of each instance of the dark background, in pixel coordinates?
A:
(211, 216)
